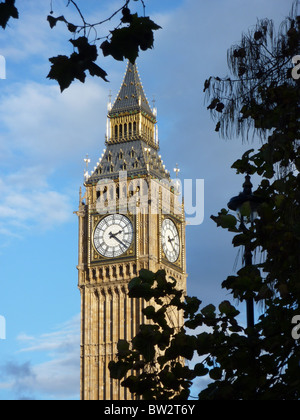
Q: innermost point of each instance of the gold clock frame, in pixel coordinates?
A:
(95, 256)
(178, 225)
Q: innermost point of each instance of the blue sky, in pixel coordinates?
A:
(44, 137)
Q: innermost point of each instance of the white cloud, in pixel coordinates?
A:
(43, 131)
(49, 126)
(28, 201)
(58, 377)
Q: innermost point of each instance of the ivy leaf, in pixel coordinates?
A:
(95, 70)
(66, 69)
(7, 11)
(123, 348)
(53, 21)
(63, 71)
(118, 370)
(127, 41)
(200, 370)
(209, 311)
(72, 28)
(225, 220)
(216, 374)
(227, 309)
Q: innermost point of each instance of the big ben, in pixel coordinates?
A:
(130, 218)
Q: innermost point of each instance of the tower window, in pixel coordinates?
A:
(121, 155)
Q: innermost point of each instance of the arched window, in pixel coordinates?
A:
(120, 131)
(125, 130)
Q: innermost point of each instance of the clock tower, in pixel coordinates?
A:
(130, 218)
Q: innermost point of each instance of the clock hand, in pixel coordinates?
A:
(171, 240)
(111, 235)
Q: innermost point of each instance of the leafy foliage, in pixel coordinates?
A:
(66, 69)
(261, 67)
(156, 354)
(126, 42)
(132, 34)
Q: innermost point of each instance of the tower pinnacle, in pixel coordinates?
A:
(131, 96)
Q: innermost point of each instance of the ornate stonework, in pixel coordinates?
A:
(107, 313)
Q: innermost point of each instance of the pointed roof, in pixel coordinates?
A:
(131, 96)
(133, 155)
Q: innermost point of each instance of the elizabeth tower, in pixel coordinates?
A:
(130, 218)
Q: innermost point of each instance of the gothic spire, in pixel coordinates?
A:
(131, 96)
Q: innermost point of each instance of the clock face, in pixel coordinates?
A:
(170, 240)
(113, 235)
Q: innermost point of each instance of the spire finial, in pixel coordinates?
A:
(109, 105)
(177, 170)
(87, 161)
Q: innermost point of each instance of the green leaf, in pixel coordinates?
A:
(7, 11)
(64, 70)
(216, 374)
(209, 311)
(227, 309)
(225, 220)
(123, 347)
(127, 41)
(85, 49)
(72, 28)
(95, 70)
(200, 370)
(147, 276)
(118, 370)
(53, 21)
